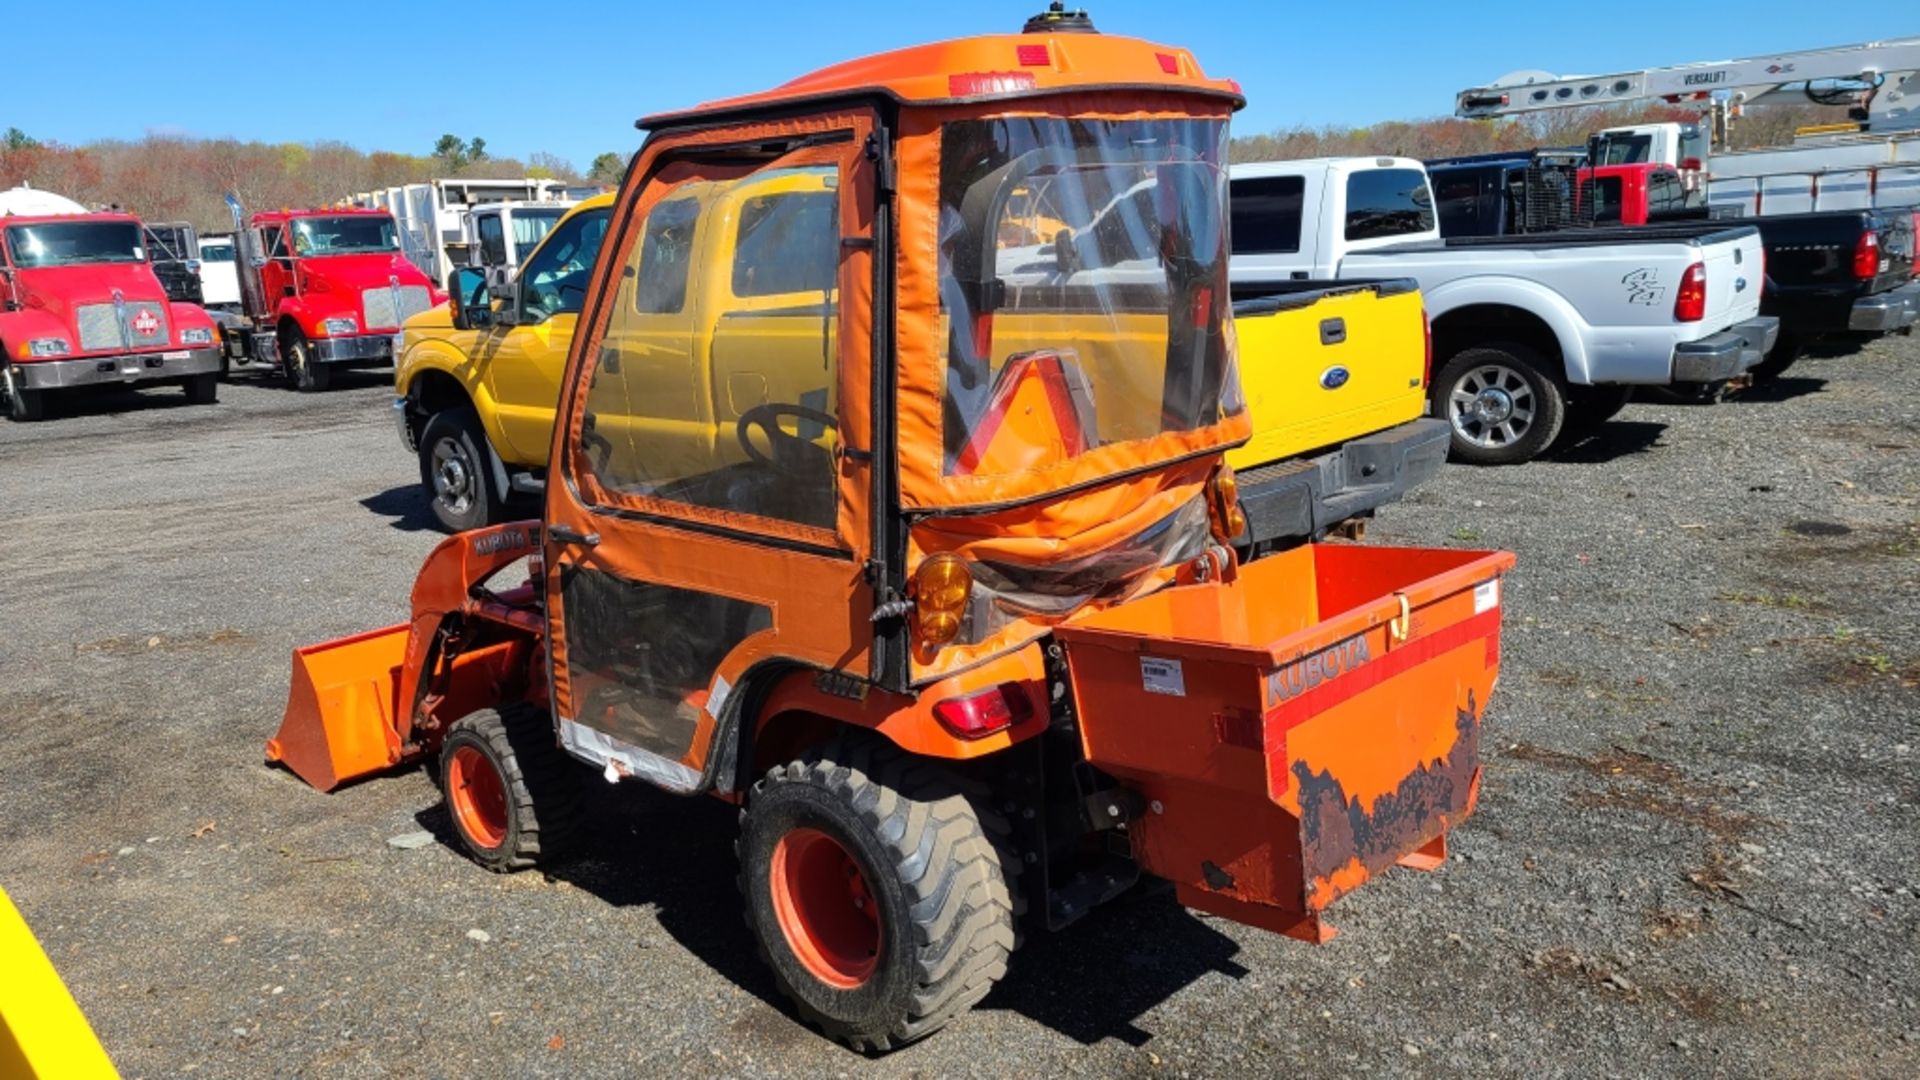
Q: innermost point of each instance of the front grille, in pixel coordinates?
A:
(100, 326)
(378, 305)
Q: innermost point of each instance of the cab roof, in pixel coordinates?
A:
(981, 69)
(60, 219)
(320, 211)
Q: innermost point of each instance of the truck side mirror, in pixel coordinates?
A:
(508, 293)
(472, 304)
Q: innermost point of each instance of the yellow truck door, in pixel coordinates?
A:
(526, 360)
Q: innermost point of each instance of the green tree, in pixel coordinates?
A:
(607, 168)
(15, 139)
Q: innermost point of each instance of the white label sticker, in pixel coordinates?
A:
(1159, 676)
(1486, 595)
(717, 696)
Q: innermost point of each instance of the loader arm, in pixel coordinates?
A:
(364, 704)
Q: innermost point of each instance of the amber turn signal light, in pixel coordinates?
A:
(940, 590)
(1229, 520)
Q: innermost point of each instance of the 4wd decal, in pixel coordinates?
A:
(1643, 286)
(1329, 663)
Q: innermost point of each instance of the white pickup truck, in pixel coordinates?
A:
(1532, 336)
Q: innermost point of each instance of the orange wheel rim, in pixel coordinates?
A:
(825, 908)
(478, 797)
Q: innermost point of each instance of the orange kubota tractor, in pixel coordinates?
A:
(920, 553)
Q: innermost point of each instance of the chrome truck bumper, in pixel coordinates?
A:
(367, 350)
(1727, 354)
(1289, 502)
(1895, 309)
(114, 370)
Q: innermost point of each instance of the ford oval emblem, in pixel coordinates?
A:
(1334, 377)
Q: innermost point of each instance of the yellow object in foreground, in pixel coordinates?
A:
(43, 1034)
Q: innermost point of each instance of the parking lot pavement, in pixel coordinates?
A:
(1695, 852)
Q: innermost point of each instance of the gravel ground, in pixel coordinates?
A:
(1695, 852)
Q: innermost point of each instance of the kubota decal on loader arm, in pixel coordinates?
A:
(921, 556)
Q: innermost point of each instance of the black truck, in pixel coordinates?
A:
(1836, 274)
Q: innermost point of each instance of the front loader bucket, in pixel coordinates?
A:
(1292, 733)
(341, 722)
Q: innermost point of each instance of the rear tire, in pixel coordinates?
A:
(203, 389)
(306, 375)
(1503, 401)
(1590, 407)
(876, 891)
(456, 472)
(511, 791)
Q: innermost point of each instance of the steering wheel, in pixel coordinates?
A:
(788, 454)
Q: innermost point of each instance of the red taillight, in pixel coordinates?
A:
(1691, 303)
(1426, 368)
(978, 715)
(1866, 256)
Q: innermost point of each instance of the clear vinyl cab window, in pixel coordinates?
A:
(1083, 286)
(715, 384)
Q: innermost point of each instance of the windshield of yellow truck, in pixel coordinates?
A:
(1083, 287)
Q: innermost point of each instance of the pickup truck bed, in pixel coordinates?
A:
(1335, 376)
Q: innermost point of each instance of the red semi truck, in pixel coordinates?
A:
(80, 306)
(321, 290)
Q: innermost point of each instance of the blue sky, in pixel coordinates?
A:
(571, 79)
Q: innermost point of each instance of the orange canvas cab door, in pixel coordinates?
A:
(1299, 729)
(710, 521)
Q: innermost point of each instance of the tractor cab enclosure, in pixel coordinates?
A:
(886, 499)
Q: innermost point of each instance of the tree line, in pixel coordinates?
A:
(169, 178)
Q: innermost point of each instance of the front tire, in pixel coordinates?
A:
(1778, 359)
(508, 786)
(24, 406)
(1504, 403)
(203, 389)
(876, 891)
(305, 373)
(456, 473)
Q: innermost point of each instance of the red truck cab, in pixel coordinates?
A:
(1638, 193)
(80, 306)
(323, 290)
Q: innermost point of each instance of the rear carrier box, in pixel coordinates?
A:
(1299, 729)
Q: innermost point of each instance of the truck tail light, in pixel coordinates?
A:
(1229, 519)
(976, 716)
(1690, 304)
(1866, 256)
(941, 588)
(1426, 369)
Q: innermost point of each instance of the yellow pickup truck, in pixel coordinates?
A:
(1334, 373)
